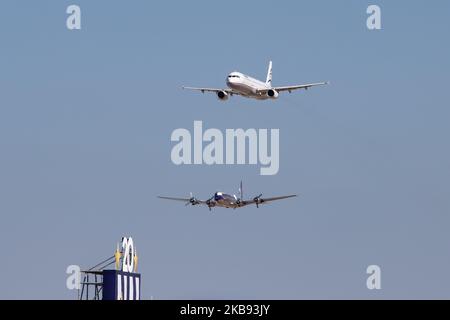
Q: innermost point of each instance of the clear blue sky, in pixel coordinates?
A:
(85, 124)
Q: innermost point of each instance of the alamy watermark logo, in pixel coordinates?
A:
(73, 281)
(229, 148)
(73, 21)
(374, 19)
(374, 279)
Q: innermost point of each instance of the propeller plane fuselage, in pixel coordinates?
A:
(224, 200)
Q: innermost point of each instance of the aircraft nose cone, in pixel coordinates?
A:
(231, 82)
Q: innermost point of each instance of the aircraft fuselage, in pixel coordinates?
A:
(226, 200)
(247, 86)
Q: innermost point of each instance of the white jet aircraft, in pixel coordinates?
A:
(221, 199)
(246, 86)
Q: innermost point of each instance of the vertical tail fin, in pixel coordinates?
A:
(241, 193)
(269, 74)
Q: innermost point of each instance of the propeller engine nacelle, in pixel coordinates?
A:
(258, 200)
(210, 203)
(273, 94)
(193, 201)
(222, 95)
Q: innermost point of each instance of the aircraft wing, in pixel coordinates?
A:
(186, 200)
(296, 87)
(203, 90)
(259, 200)
(176, 199)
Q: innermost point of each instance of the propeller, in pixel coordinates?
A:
(209, 203)
(192, 200)
(258, 200)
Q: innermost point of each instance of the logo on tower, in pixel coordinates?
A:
(98, 283)
(123, 283)
(128, 254)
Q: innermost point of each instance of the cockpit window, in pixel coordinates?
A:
(233, 76)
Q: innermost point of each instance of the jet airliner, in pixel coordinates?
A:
(246, 86)
(221, 199)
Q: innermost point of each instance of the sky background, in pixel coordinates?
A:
(85, 124)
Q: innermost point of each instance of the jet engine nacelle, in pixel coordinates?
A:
(222, 95)
(273, 94)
